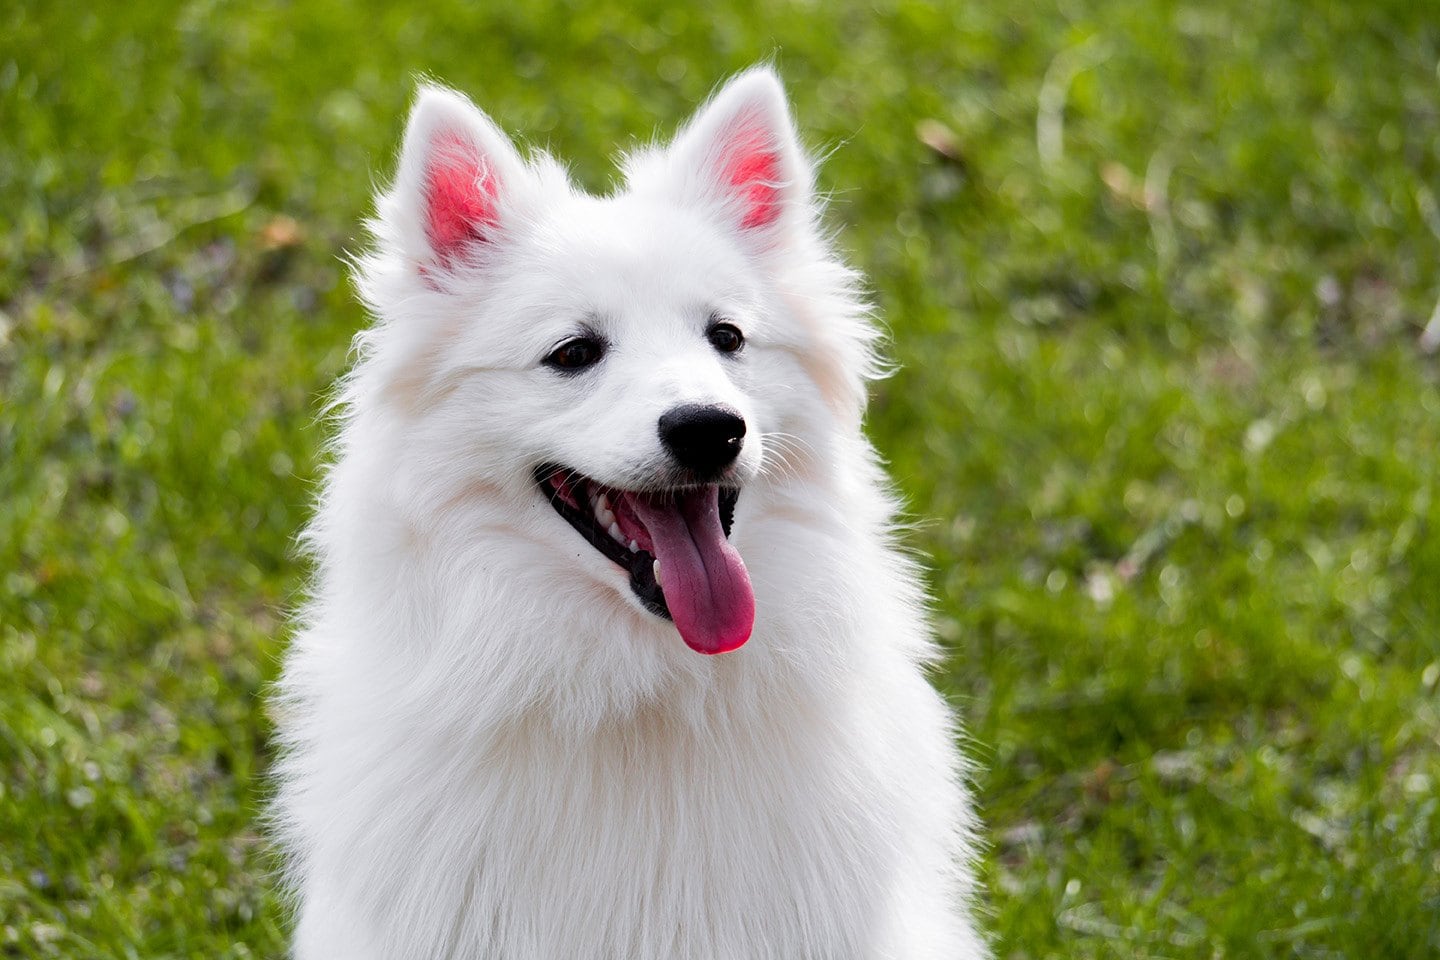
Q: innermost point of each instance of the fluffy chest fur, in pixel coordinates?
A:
(644, 839)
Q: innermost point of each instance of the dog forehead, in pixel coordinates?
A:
(623, 252)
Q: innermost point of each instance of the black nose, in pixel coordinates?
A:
(703, 438)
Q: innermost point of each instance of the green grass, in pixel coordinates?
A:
(1163, 420)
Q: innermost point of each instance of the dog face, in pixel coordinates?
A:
(636, 361)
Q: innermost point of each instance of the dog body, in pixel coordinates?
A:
(611, 653)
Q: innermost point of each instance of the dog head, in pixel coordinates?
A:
(639, 362)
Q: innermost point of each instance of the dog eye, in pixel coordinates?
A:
(725, 337)
(576, 354)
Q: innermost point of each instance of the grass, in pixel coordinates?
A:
(1156, 272)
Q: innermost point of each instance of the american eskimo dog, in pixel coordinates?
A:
(611, 651)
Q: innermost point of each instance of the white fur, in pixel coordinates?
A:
(491, 749)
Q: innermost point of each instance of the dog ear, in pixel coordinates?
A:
(458, 174)
(739, 157)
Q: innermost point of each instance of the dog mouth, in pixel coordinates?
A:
(675, 545)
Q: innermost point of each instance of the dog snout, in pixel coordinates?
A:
(703, 438)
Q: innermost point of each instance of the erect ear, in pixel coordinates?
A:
(739, 157)
(458, 174)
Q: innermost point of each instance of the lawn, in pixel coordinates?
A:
(1157, 275)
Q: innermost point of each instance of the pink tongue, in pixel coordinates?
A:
(706, 585)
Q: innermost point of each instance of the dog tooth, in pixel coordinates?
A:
(606, 518)
(603, 503)
(615, 532)
(634, 547)
(656, 568)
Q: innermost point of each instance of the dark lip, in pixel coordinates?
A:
(640, 564)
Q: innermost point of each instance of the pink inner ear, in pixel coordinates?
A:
(752, 166)
(460, 197)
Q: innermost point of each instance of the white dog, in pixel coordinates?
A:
(611, 651)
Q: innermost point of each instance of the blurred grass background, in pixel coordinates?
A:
(1158, 273)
